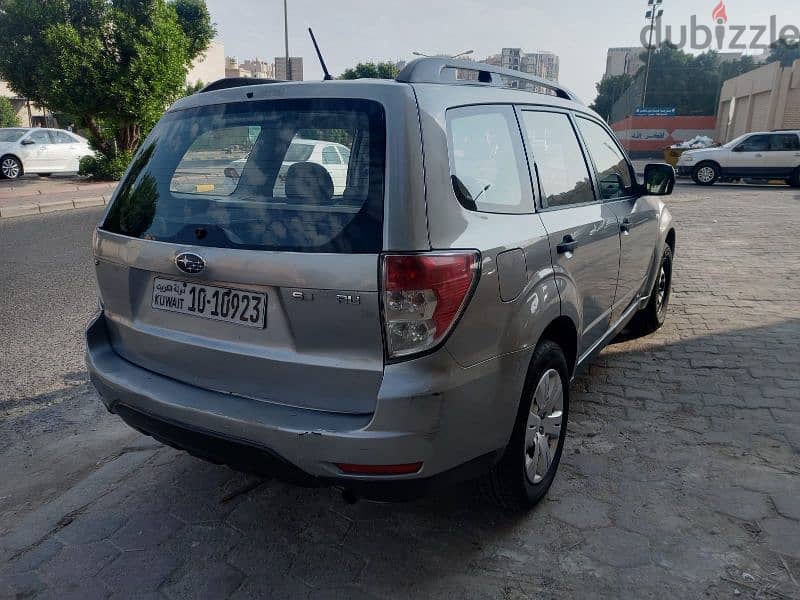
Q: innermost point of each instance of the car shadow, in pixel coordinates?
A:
(639, 398)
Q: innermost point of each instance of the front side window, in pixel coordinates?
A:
(40, 137)
(785, 142)
(487, 166)
(560, 165)
(243, 175)
(613, 173)
(755, 143)
(11, 135)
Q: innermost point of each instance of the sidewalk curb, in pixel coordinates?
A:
(21, 210)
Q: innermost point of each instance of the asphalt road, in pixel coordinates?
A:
(47, 296)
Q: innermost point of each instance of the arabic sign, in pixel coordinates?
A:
(646, 111)
(644, 134)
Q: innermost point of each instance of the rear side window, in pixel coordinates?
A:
(244, 175)
(785, 142)
(613, 173)
(487, 166)
(560, 166)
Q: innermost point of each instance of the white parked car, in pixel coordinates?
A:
(762, 155)
(40, 150)
(334, 157)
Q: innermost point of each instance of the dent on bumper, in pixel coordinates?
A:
(408, 426)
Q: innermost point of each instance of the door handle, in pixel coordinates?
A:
(625, 226)
(759, 155)
(568, 244)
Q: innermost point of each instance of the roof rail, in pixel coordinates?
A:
(437, 69)
(232, 82)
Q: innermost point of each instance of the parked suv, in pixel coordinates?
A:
(418, 328)
(765, 155)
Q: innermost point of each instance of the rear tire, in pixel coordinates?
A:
(794, 180)
(10, 168)
(530, 461)
(706, 173)
(652, 317)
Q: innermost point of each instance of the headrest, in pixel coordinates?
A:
(309, 182)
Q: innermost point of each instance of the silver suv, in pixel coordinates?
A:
(419, 327)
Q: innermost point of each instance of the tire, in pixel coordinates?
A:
(794, 181)
(652, 317)
(10, 167)
(521, 478)
(706, 173)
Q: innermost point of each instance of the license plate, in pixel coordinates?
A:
(210, 302)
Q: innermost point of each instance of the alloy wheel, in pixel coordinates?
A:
(706, 174)
(543, 428)
(10, 168)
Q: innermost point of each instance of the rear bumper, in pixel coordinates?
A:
(455, 421)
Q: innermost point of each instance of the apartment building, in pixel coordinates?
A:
(295, 68)
(542, 63)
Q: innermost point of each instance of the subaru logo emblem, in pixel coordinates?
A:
(189, 262)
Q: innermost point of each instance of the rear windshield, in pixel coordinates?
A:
(11, 135)
(252, 175)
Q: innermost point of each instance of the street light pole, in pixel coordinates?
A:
(653, 14)
(286, 40)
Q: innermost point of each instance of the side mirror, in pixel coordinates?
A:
(659, 179)
(27, 142)
(738, 149)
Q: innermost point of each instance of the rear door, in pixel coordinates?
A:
(65, 151)
(637, 215)
(583, 231)
(337, 168)
(225, 284)
(784, 153)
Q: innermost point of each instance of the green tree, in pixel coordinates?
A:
(371, 70)
(117, 64)
(193, 88)
(785, 52)
(609, 90)
(8, 116)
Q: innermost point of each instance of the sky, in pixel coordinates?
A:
(351, 31)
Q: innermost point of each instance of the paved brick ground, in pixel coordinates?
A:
(680, 477)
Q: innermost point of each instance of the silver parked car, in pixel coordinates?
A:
(421, 326)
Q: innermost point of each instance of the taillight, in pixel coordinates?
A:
(423, 296)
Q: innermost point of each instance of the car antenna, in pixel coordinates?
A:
(327, 76)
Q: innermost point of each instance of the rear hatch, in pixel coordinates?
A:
(221, 267)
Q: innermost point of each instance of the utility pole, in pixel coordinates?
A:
(286, 40)
(653, 14)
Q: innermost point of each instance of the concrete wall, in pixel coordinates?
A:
(649, 136)
(764, 99)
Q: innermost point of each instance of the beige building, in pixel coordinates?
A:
(764, 99)
(623, 61)
(541, 64)
(250, 68)
(209, 67)
(37, 117)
